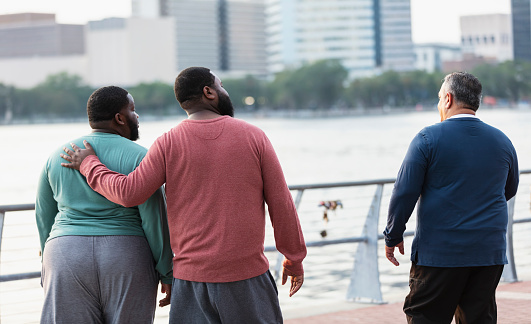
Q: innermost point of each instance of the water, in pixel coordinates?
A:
(310, 151)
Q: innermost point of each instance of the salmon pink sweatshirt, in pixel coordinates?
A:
(219, 174)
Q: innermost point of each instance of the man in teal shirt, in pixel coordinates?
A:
(101, 261)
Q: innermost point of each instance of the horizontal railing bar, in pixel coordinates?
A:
(20, 276)
(521, 220)
(356, 239)
(21, 207)
(341, 184)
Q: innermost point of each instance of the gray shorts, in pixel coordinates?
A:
(254, 300)
(98, 279)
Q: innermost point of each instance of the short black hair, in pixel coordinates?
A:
(190, 82)
(104, 103)
(465, 88)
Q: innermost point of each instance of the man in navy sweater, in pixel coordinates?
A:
(464, 171)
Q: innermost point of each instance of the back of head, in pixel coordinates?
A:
(104, 103)
(190, 82)
(465, 88)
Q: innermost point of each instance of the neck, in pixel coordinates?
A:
(105, 130)
(202, 114)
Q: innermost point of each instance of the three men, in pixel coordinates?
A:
(219, 173)
(101, 261)
(464, 171)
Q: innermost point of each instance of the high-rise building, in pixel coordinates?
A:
(488, 36)
(521, 25)
(366, 36)
(225, 35)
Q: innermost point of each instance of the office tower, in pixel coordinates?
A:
(225, 35)
(521, 23)
(367, 36)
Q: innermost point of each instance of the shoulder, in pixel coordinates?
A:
(244, 125)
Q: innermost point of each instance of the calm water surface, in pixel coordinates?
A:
(310, 150)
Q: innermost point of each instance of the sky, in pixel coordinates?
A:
(432, 21)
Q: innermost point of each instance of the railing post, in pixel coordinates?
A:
(509, 271)
(365, 277)
(280, 257)
(2, 216)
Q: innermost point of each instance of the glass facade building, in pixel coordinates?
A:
(521, 16)
(366, 36)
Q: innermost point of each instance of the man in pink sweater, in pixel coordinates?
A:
(219, 173)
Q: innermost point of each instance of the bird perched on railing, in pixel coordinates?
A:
(328, 205)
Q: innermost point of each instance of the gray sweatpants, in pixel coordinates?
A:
(250, 301)
(98, 279)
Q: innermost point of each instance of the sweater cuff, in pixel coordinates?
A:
(86, 165)
(167, 280)
(293, 268)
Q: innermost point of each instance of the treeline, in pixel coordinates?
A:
(322, 85)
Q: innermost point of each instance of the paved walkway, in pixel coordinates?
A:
(513, 299)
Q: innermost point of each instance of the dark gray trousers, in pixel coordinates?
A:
(98, 279)
(254, 300)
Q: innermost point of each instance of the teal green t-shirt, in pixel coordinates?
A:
(66, 205)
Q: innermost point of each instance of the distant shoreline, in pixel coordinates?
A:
(265, 114)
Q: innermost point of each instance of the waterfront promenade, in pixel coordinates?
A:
(322, 299)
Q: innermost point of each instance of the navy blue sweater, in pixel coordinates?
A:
(464, 171)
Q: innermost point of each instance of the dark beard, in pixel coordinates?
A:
(133, 128)
(225, 105)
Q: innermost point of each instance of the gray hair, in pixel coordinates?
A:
(465, 88)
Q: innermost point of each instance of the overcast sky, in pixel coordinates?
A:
(431, 20)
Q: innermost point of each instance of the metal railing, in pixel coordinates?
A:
(365, 277)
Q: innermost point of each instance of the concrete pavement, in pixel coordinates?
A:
(513, 299)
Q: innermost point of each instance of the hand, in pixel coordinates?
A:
(390, 252)
(296, 281)
(165, 288)
(77, 156)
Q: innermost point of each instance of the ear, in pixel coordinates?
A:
(448, 100)
(209, 92)
(119, 119)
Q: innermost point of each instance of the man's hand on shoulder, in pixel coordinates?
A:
(76, 156)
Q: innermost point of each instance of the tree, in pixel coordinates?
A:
(242, 89)
(317, 85)
(156, 98)
(60, 95)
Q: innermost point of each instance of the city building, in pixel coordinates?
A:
(128, 51)
(488, 36)
(366, 36)
(521, 28)
(149, 8)
(432, 57)
(37, 34)
(225, 35)
(35, 46)
(121, 51)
